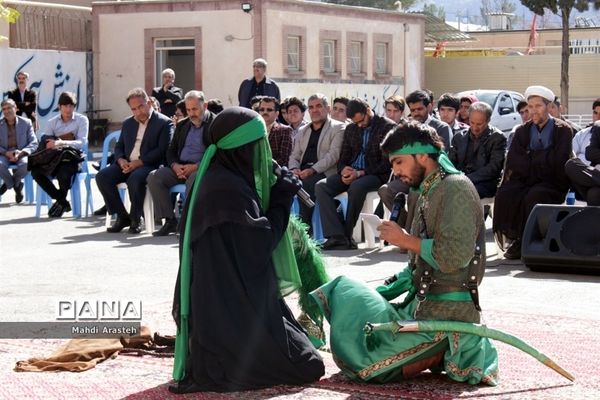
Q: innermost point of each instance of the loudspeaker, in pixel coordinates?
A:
(562, 238)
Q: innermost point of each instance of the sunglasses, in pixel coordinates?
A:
(266, 109)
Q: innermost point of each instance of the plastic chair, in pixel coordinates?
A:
(149, 205)
(317, 227)
(89, 202)
(79, 178)
(27, 185)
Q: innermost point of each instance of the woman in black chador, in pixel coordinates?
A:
(235, 331)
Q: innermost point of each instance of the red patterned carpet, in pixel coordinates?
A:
(572, 343)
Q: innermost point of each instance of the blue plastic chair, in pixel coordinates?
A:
(79, 178)
(317, 227)
(106, 145)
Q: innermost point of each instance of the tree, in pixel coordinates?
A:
(563, 8)
(9, 15)
(383, 4)
(434, 10)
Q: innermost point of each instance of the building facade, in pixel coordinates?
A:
(310, 47)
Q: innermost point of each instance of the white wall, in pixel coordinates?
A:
(50, 73)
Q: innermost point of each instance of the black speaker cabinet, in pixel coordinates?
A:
(562, 238)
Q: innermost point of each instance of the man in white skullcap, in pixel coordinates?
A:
(534, 171)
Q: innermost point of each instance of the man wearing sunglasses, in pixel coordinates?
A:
(280, 136)
(361, 169)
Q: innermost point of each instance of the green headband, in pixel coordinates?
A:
(422, 148)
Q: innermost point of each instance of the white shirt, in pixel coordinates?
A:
(580, 142)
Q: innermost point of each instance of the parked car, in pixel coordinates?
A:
(504, 106)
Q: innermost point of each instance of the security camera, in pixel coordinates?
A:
(246, 7)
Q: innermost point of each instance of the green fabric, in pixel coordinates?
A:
(283, 259)
(422, 148)
(427, 253)
(349, 304)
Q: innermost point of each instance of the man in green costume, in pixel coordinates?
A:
(447, 261)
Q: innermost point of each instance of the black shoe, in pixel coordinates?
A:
(96, 166)
(136, 226)
(19, 193)
(3, 189)
(170, 226)
(335, 243)
(101, 211)
(514, 251)
(352, 244)
(121, 223)
(59, 208)
(184, 387)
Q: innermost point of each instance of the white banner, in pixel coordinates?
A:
(50, 73)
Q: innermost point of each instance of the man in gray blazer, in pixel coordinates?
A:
(141, 148)
(316, 149)
(17, 141)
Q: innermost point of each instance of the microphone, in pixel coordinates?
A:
(399, 202)
(302, 194)
(398, 205)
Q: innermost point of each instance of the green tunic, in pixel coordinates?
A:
(449, 219)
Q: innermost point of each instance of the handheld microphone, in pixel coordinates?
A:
(399, 202)
(302, 194)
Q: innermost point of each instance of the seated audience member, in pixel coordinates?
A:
(180, 112)
(394, 108)
(523, 111)
(294, 114)
(555, 110)
(17, 141)
(479, 151)
(156, 104)
(185, 152)
(255, 102)
(448, 106)
(582, 138)
(420, 110)
(338, 109)
(280, 136)
(66, 136)
(215, 106)
(534, 171)
(361, 169)
(168, 95)
(316, 149)
(141, 148)
(433, 112)
(463, 111)
(586, 178)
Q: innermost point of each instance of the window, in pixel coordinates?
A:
(505, 105)
(381, 50)
(329, 56)
(293, 53)
(177, 54)
(355, 57)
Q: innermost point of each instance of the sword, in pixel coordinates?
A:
(465, 327)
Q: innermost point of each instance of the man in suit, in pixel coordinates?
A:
(479, 152)
(25, 99)
(184, 154)
(17, 141)
(141, 148)
(258, 85)
(316, 149)
(361, 169)
(168, 95)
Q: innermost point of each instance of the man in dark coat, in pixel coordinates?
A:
(141, 148)
(586, 178)
(534, 172)
(258, 85)
(479, 152)
(168, 95)
(234, 330)
(25, 98)
(362, 168)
